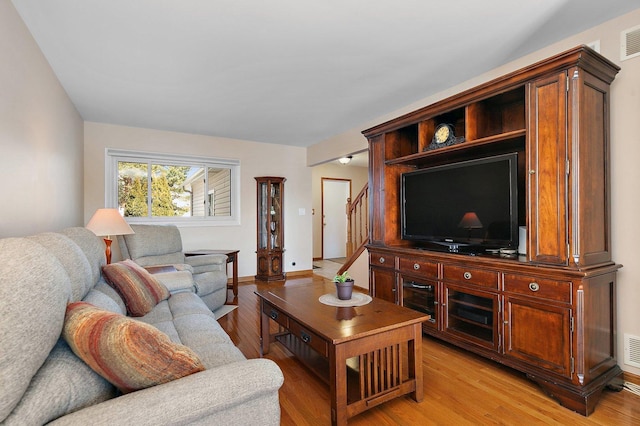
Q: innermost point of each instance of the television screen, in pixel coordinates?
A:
(467, 204)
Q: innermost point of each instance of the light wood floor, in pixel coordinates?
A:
(460, 388)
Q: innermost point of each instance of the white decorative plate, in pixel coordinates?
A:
(357, 299)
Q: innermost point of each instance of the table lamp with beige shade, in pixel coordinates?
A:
(108, 222)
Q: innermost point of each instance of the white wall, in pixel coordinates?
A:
(625, 151)
(256, 159)
(40, 138)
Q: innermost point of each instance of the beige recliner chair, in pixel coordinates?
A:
(154, 245)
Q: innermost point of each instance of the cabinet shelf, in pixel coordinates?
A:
(472, 309)
(471, 322)
(417, 305)
(473, 330)
(482, 304)
(503, 141)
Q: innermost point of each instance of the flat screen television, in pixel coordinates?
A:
(469, 206)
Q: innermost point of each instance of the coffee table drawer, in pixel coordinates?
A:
(316, 342)
(276, 314)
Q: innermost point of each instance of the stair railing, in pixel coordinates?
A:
(357, 226)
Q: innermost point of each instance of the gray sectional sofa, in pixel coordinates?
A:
(42, 380)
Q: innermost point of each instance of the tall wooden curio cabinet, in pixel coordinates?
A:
(270, 228)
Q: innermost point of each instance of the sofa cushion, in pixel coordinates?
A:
(186, 320)
(64, 384)
(154, 244)
(105, 297)
(128, 353)
(139, 289)
(92, 247)
(72, 258)
(34, 290)
(177, 281)
(209, 282)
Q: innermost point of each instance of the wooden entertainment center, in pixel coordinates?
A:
(550, 313)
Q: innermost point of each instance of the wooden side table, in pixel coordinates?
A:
(232, 257)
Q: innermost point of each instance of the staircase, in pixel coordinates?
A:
(357, 226)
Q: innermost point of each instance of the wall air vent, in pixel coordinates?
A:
(632, 350)
(630, 43)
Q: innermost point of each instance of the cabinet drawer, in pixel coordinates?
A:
(477, 277)
(310, 338)
(276, 315)
(418, 266)
(382, 260)
(538, 287)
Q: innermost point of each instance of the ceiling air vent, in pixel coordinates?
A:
(630, 43)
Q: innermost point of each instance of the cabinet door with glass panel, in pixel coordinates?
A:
(421, 294)
(471, 315)
(270, 230)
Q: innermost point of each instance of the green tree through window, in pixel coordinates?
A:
(155, 187)
(168, 196)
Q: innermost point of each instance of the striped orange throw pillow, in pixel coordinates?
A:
(139, 289)
(128, 353)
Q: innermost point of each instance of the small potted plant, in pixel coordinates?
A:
(344, 285)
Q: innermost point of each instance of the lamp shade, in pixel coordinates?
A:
(107, 222)
(470, 220)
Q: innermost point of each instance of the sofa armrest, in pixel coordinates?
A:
(207, 263)
(244, 392)
(177, 281)
(206, 259)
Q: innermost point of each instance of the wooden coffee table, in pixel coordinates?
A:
(367, 354)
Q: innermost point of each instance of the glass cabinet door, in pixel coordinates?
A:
(263, 223)
(421, 295)
(274, 215)
(472, 315)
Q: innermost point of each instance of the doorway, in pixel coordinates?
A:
(334, 218)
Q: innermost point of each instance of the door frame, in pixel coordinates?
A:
(322, 180)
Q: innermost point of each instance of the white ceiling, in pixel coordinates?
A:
(291, 72)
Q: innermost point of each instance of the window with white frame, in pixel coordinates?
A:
(152, 187)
